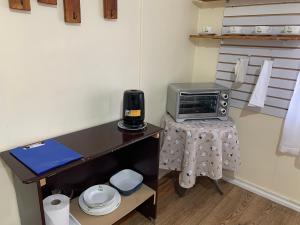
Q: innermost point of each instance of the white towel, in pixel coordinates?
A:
(290, 141)
(259, 94)
(240, 70)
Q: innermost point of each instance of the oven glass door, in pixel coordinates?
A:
(198, 103)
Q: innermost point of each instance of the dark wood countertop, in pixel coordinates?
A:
(91, 143)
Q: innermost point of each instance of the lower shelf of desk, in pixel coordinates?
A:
(128, 204)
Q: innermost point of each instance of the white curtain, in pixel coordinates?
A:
(290, 142)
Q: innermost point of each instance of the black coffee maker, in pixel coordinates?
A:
(133, 110)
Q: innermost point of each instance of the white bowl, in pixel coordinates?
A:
(126, 181)
(99, 195)
(235, 30)
(263, 30)
(206, 30)
(100, 211)
(291, 30)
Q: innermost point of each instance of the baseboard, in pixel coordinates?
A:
(264, 193)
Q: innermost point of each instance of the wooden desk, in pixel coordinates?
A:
(106, 150)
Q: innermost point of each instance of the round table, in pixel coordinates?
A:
(199, 148)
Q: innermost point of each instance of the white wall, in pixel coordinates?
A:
(210, 14)
(57, 78)
(259, 134)
(167, 52)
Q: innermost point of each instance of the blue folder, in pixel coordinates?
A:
(43, 157)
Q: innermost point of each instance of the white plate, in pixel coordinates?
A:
(100, 211)
(99, 195)
(126, 180)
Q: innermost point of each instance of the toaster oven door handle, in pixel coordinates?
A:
(199, 93)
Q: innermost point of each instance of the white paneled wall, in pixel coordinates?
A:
(285, 54)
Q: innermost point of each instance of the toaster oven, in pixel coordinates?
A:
(190, 101)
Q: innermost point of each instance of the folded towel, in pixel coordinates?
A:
(290, 141)
(259, 94)
(240, 70)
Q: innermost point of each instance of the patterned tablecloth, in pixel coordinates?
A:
(199, 148)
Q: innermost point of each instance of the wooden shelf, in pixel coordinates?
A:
(210, 3)
(211, 0)
(90, 143)
(128, 204)
(248, 37)
(106, 149)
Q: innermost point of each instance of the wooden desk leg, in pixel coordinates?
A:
(29, 202)
(146, 162)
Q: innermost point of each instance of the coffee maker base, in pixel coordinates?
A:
(122, 126)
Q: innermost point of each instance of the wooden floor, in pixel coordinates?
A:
(202, 205)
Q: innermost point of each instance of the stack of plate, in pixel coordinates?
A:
(99, 200)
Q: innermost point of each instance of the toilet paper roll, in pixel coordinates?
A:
(57, 209)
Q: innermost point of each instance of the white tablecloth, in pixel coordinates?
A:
(199, 148)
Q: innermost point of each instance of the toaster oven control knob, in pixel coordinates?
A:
(225, 96)
(223, 111)
(224, 103)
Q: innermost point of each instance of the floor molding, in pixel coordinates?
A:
(264, 193)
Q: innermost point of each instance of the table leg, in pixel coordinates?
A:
(179, 190)
(217, 186)
(182, 191)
